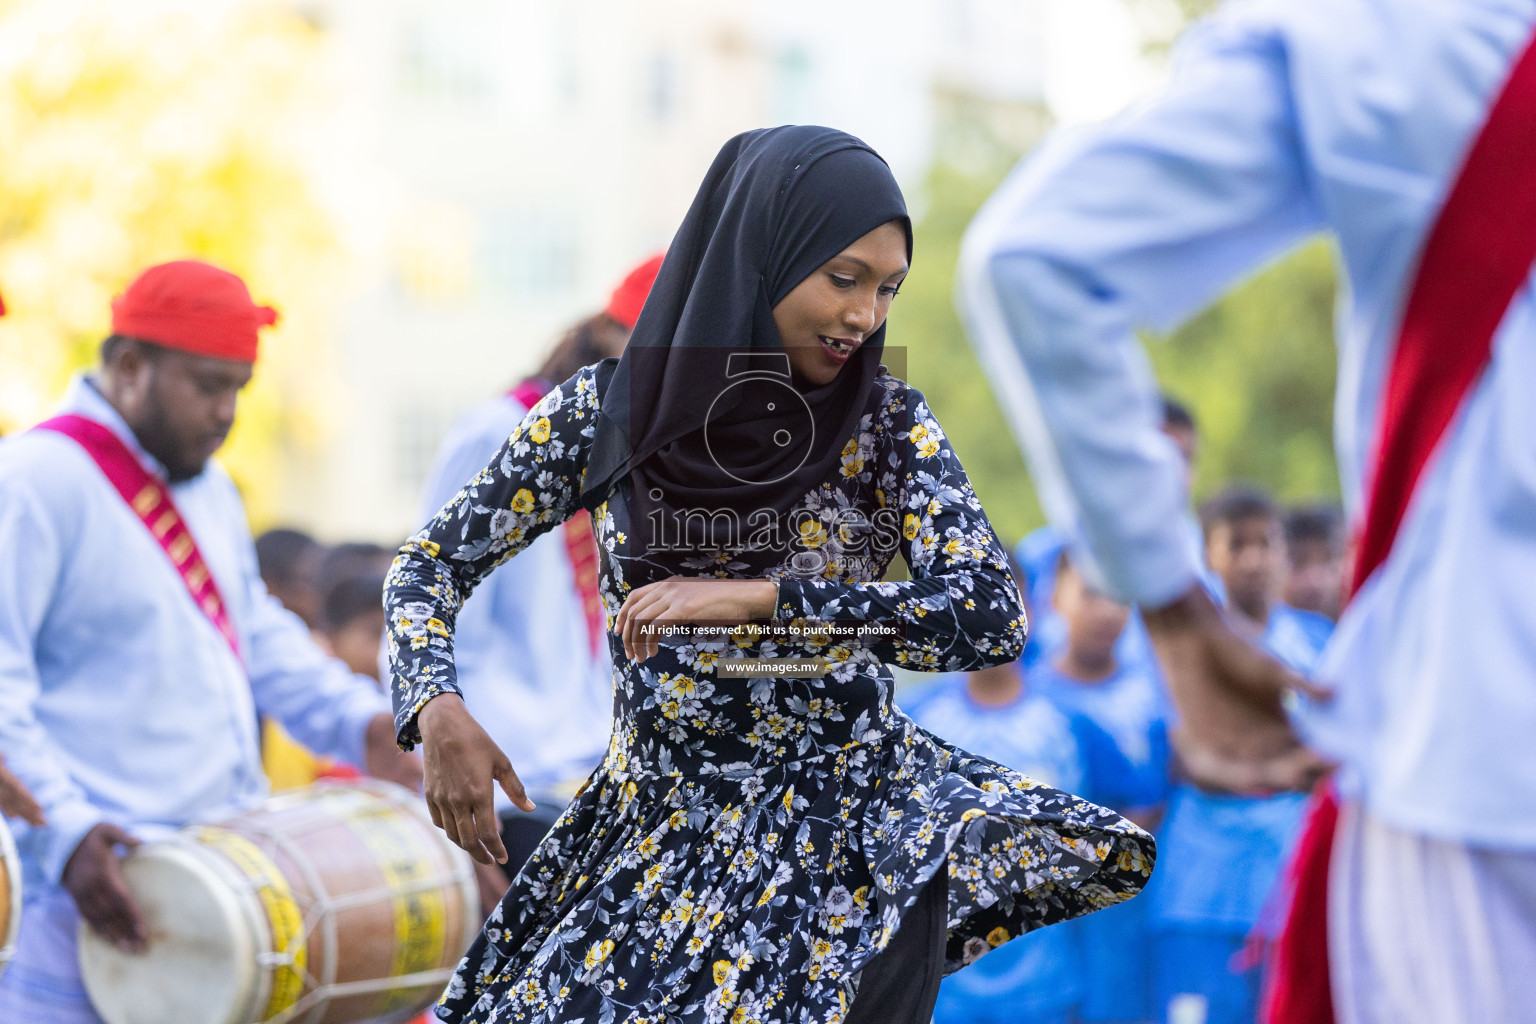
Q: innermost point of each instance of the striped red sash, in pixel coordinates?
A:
(151, 502)
(1478, 254)
(580, 542)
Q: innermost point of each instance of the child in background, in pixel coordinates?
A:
(1314, 547)
(1221, 854)
(1083, 676)
(352, 621)
(1037, 978)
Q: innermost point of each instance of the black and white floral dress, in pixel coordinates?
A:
(749, 844)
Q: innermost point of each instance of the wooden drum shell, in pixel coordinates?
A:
(356, 907)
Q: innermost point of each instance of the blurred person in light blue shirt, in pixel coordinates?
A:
(1039, 551)
(1315, 554)
(1284, 119)
(123, 708)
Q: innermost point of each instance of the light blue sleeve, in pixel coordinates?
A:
(32, 562)
(1135, 223)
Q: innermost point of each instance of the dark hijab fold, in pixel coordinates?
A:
(701, 411)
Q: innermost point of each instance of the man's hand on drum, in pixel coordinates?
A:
(383, 758)
(94, 877)
(689, 600)
(462, 762)
(1234, 735)
(16, 800)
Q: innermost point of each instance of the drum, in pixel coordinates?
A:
(341, 902)
(10, 896)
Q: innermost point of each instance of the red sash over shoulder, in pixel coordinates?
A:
(151, 502)
(1478, 254)
(580, 543)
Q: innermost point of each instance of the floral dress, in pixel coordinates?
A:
(749, 844)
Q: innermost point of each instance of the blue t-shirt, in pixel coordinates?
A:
(1039, 973)
(1132, 708)
(1038, 554)
(1219, 855)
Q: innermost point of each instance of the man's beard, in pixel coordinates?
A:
(158, 439)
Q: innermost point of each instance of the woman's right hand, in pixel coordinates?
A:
(461, 761)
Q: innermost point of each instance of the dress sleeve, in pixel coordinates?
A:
(961, 610)
(531, 485)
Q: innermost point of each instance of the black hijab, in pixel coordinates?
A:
(700, 411)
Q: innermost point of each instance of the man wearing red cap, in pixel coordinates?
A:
(137, 645)
(529, 645)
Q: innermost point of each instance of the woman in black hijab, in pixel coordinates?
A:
(768, 842)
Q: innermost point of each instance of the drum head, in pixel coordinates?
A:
(201, 965)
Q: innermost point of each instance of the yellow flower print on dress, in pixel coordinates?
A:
(599, 952)
(539, 432)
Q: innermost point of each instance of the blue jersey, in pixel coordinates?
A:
(1039, 974)
(1132, 708)
(1038, 553)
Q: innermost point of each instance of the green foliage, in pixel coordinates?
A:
(941, 362)
(1257, 368)
(132, 138)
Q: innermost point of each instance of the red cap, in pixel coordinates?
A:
(192, 306)
(627, 299)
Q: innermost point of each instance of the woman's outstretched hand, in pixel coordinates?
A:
(462, 762)
(1234, 734)
(689, 600)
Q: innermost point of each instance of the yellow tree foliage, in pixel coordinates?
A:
(134, 138)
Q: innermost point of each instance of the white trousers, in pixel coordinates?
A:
(1425, 931)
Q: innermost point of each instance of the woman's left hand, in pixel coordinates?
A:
(689, 600)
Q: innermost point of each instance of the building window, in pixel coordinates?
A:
(444, 59)
(792, 100)
(419, 430)
(528, 254)
(663, 87)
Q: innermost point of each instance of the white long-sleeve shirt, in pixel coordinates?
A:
(119, 700)
(1285, 118)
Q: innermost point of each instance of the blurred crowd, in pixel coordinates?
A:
(1086, 710)
(335, 590)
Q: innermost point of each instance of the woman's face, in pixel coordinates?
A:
(845, 300)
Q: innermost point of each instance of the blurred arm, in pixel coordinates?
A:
(1136, 223)
(31, 564)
